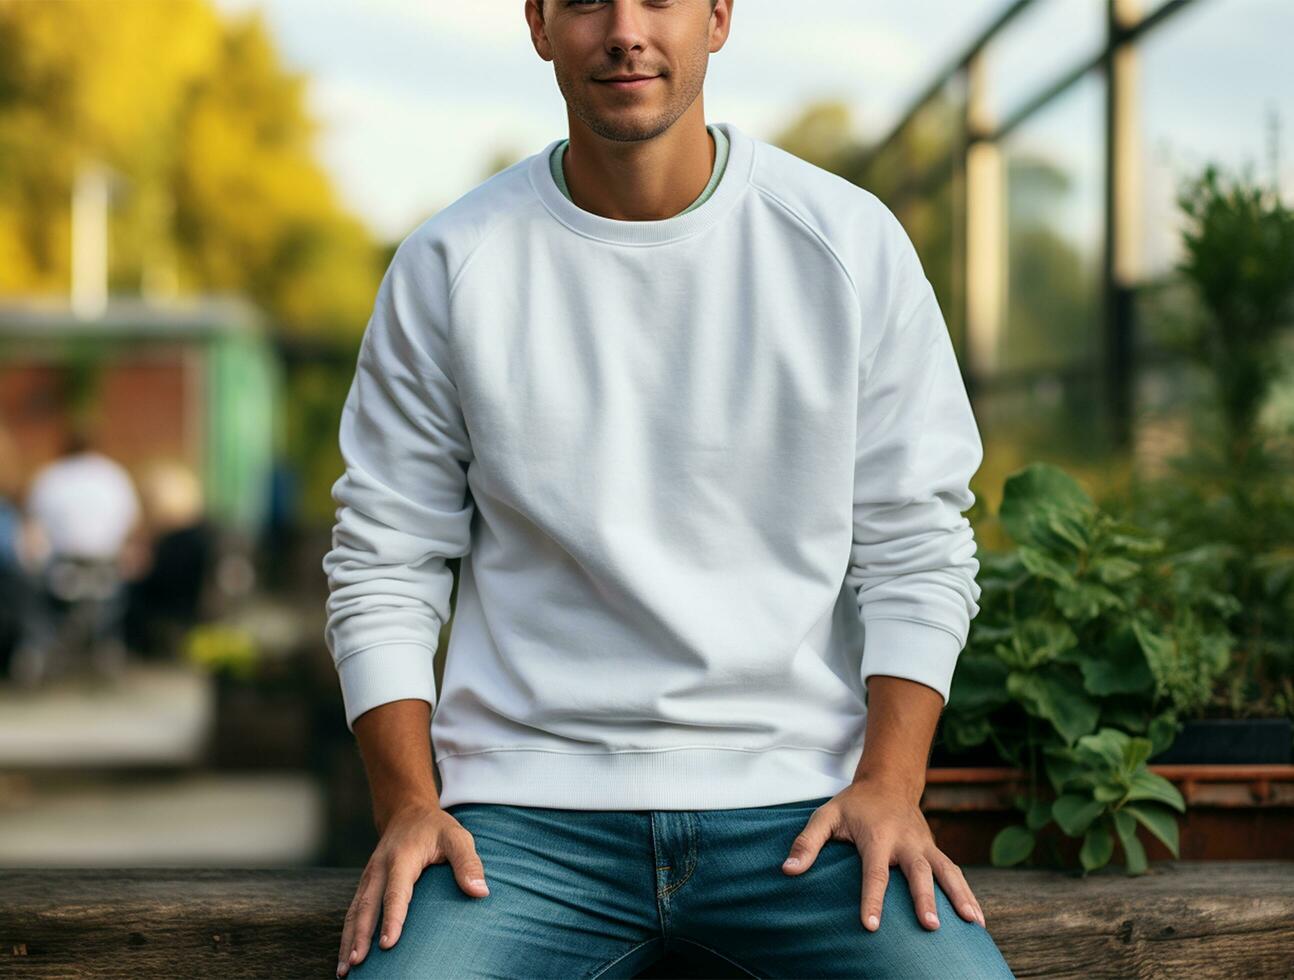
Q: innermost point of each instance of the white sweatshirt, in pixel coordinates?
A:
(706, 475)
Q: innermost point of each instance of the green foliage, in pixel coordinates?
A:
(216, 182)
(222, 649)
(316, 392)
(1226, 502)
(1103, 791)
(1107, 623)
(1239, 244)
(1090, 642)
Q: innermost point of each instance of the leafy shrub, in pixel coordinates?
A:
(1239, 257)
(1229, 495)
(1103, 791)
(1089, 644)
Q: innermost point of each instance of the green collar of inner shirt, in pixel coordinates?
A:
(720, 160)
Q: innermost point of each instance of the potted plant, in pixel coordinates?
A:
(1188, 581)
(1091, 642)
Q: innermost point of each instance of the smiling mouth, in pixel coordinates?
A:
(635, 83)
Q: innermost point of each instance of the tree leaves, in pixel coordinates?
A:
(218, 185)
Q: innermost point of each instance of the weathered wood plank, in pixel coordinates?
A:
(1215, 919)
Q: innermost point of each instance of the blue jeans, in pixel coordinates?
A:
(606, 893)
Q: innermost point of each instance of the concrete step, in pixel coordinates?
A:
(253, 819)
(152, 714)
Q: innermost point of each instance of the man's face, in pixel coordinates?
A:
(590, 40)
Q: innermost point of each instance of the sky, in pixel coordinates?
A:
(415, 97)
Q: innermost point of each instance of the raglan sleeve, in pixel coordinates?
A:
(404, 505)
(913, 565)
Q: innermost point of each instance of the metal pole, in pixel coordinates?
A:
(985, 248)
(1121, 261)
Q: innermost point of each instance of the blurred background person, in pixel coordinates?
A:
(168, 595)
(13, 574)
(84, 515)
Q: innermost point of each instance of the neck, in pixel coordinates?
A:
(643, 180)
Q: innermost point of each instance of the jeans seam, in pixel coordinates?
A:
(691, 857)
(721, 956)
(629, 952)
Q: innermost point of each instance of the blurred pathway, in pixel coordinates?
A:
(154, 714)
(113, 774)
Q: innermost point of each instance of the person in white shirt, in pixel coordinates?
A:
(82, 525)
(690, 418)
(84, 503)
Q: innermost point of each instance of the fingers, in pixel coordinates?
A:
(958, 889)
(807, 844)
(388, 882)
(876, 878)
(468, 870)
(399, 889)
(361, 917)
(921, 883)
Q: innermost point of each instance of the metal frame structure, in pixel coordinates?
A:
(974, 165)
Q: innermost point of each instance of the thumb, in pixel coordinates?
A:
(468, 870)
(807, 844)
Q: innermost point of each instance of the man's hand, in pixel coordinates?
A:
(416, 834)
(887, 827)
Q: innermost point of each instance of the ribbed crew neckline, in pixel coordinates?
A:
(718, 138)
(735, 180)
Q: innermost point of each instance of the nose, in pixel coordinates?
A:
(625, 30)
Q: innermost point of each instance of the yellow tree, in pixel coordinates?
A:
(79, 83)
(254, 210)
(219, 186)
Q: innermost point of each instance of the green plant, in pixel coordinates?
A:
(1227, 499)
(1237, 533)
(1103, 790)
(223, 650)
(1239, 245)
(1088, 633)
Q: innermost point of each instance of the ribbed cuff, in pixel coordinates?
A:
(916, 651)
(389, 672)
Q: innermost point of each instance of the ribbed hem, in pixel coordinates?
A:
(389, 672)
(701, 778)
(910, 649)
(735, 180)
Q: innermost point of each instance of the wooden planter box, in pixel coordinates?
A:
(1233, 812)
(1235, 775)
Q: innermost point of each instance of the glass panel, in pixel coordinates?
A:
(1231, 115)
(1055, 188)
(1047, 418)
(1038, 48)
(913, 177)
(1226, 114)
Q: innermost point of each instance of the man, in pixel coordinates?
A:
(686, 408)
(83, 522)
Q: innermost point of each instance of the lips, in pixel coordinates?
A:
(628, 85)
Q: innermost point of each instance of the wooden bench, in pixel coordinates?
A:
(1216, 919)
